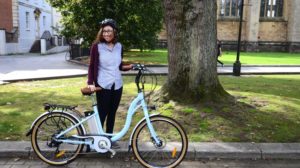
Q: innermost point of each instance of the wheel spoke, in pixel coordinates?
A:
(49, 150)
(170, 133)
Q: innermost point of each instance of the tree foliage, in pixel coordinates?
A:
(138, 21)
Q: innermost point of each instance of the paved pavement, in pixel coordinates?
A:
(204, 155)
(120, 163)
(34, 66)
(203, 150)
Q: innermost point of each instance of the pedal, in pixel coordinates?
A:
(60, 154)
(113, 153)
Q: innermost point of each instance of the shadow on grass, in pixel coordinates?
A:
(239, 122)
(19, 110)
(286, 87)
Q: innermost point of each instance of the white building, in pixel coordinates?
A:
(31, 19)
(34, 19)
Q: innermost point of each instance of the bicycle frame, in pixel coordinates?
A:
(138, 102)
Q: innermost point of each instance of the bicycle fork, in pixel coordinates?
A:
(154, 136)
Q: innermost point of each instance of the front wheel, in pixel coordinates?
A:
(172, 147)
(43, 138)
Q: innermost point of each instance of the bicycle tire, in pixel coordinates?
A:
(170, 153)
(52, 152)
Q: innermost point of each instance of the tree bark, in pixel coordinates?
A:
(192, 50)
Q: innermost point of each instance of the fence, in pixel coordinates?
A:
(77, 51)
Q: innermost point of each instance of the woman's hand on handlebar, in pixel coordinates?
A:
(130, 66)
(127, 67)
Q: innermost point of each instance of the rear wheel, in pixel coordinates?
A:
(173, 143)
(46, 147)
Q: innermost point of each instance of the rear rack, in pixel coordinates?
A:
(51, 107)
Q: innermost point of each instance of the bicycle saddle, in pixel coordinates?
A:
(87, 91)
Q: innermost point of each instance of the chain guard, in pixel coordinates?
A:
(99, 142)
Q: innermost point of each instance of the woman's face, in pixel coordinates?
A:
(108, 33)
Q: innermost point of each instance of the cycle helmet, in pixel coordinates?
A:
(109, 22)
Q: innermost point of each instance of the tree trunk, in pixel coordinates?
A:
(192, 32)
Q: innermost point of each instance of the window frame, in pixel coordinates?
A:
(44, 21)
(272, 9)
(223, 6)
(27, 20)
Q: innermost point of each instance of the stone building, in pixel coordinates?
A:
(268, 25)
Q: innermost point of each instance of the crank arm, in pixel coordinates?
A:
(113, 153)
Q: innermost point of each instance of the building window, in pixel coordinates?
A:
(230, 8)
(27, 20)
(44, 21)
(271, 8)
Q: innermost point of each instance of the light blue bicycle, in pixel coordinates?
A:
(59, 135)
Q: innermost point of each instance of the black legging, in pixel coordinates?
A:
(108, 101)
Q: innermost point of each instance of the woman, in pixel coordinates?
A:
(104, 72)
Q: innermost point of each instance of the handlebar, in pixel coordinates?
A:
(137, 67)
(140, 68)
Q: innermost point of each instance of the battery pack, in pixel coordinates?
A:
(92, 124)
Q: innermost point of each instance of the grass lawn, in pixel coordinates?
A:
(268, 108)
(262, 58)
(228, 57)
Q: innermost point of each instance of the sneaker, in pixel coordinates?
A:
(115, 145)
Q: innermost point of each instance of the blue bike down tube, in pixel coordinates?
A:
(132, 109)
(74, 126)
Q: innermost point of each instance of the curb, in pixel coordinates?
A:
(77, 62)
(7, 81)
(196, 150)
(226, 65)
(45, 74)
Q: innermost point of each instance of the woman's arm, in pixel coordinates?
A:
(124, 67)
(91, 72)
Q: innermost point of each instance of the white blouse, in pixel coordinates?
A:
(110, 60)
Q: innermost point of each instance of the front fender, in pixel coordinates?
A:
(130, 140)
(47, 113)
